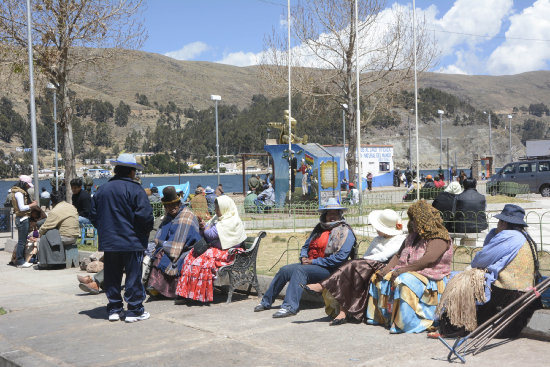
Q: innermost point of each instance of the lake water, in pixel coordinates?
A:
(231, 183)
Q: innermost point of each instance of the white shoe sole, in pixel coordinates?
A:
(114, 317)
(142, 317)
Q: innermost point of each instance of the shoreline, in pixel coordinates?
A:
(263, 172)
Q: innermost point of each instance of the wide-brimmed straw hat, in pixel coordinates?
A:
(208, 190)
(454, 188)
(170, 196)
(332, 204)
(386, 221)
(127, 160)
(512, 214)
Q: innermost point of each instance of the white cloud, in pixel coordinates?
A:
(470, 17)
(519, 55)
(241, 58)
(189, 51)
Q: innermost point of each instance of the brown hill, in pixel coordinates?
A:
(190, 83)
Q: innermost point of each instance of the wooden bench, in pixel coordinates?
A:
(242, 271)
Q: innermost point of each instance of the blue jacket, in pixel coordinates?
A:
(122, 214)
(333, 260)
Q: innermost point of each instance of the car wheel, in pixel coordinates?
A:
(545, 191)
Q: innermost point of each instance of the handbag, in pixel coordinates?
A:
(200, 247)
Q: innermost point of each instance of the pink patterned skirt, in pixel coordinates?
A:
(197, 275)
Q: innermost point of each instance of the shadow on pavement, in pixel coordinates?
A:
(98, 313)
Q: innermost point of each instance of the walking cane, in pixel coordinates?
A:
(483, 334)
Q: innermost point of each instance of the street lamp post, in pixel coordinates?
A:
(344, 109)
(54, 91)
(510, 136)
(410, 153)
(440, 112)
(217, 98)
(490, 134)
(32, 105)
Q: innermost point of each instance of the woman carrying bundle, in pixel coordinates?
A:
(499, 274)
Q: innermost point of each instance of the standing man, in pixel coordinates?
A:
(123, 217)
(303, 171)
(88, 183)
(293, 168)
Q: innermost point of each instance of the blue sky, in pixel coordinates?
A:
(491, 37)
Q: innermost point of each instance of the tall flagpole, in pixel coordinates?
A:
(33, 108)
(416, 106)
(358, 110)
(289, 112)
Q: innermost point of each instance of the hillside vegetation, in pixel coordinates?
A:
(146, 102)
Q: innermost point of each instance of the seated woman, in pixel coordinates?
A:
(347, 289)
(178, 233)
(405, 293)
(501, 272)
(327, 248)
(223, 232)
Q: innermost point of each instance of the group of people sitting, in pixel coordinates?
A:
(187, 250)
(53, 233)
(401, 278)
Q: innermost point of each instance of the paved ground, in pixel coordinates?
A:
(51, 323)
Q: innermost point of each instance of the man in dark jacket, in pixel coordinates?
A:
(82, 201)
(123, 217)
(445, 202)
(470, 209)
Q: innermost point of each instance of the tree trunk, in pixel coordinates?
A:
(68, 151)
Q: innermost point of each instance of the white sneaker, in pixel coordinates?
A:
(25, 265)
(114, 317)
(144, 316)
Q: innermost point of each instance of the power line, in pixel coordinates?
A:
(272, 2)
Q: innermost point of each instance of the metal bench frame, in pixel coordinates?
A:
(243, 270)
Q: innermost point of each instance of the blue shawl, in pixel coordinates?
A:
(498, 251)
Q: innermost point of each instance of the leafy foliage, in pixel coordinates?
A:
(533, 129)
(122, 113)
(538, 109)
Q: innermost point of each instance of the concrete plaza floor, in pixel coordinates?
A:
(50, 322)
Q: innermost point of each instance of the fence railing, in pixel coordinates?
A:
(468, 231)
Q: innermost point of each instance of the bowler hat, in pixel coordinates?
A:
(169, 195)
(512, 214)
(332, 204)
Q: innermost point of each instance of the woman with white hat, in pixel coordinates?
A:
(347, 289)
(327, 248)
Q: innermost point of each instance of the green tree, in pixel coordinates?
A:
(122, 113)
(533, 129)
(63, 33)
